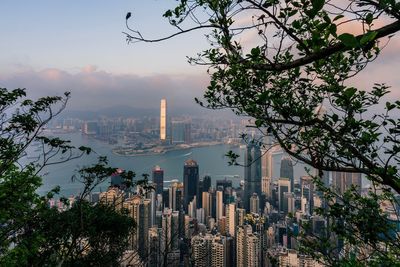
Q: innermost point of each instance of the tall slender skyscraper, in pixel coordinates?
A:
(158, 179)
(231, 218)
(190, 182)
(287, 170)
(252, 173)
(163, 120)
(219, 204)
(283, 187)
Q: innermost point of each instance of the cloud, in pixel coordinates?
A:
(89, 68)
(92, 89)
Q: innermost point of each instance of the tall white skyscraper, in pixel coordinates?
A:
(163, 120)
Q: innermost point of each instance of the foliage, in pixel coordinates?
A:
(32, 233)
(294, 81)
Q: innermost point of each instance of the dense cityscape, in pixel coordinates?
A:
(200, 133)
(200, 223)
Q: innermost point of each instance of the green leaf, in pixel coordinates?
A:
(369, 18)
(348, 40)
(338, 17)
(349, 92)
(368, 37)
(255, 51)
(317, 5)
(390, 106)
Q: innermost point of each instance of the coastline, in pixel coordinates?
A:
(162, 150)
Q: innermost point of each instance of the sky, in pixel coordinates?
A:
(51, 46)
(54, 46)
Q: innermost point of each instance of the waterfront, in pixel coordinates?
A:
(211, 162)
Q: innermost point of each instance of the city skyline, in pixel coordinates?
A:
(200, 133)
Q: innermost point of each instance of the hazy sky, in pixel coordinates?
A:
(54, 46)
(51, 46)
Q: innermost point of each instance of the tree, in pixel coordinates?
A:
(31, 232)
(294, 80)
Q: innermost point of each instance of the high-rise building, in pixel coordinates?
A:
(252, 173)
(116, 178)
(170, 229)
(307, 194)
(155, 253)
(342, 181)
(288, 198)
(140, 210)
(283, 186)
(175, 196)
(158, 179)
(113, 197)
(219, 251)
(154, 204)
(90, 128)
(223, 184)
(266, 186)
(241, 245)
(201, 253)
(240, 214)
(190, 182)
(254, 203)
(253, 250)
(287, 170)
(231, 218)
(222, 225)
(181, 132)
(163, 120)
(206, 183)
(219, 204)
(206, 205)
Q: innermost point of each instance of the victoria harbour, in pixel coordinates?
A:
(211, 160)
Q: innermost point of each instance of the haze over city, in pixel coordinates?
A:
(52, 47)
(200, 133)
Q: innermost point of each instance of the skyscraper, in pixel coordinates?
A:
(200, 253)
(175, 196)
(206, 205)
(219, 204)
(254, 203)
(140, 210)
(342, 181)
(245, 246)
(287, 170)
(190, 182)
(252, 173)
(158, 179)
(163, 120)
(307, 194)
(231, 218)
(283, 186)
(206, 183)
(180, 132)
(266, 186)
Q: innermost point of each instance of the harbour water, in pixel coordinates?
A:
(211, 161)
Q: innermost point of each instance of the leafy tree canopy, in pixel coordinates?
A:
(293, 79)
(31, 232)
